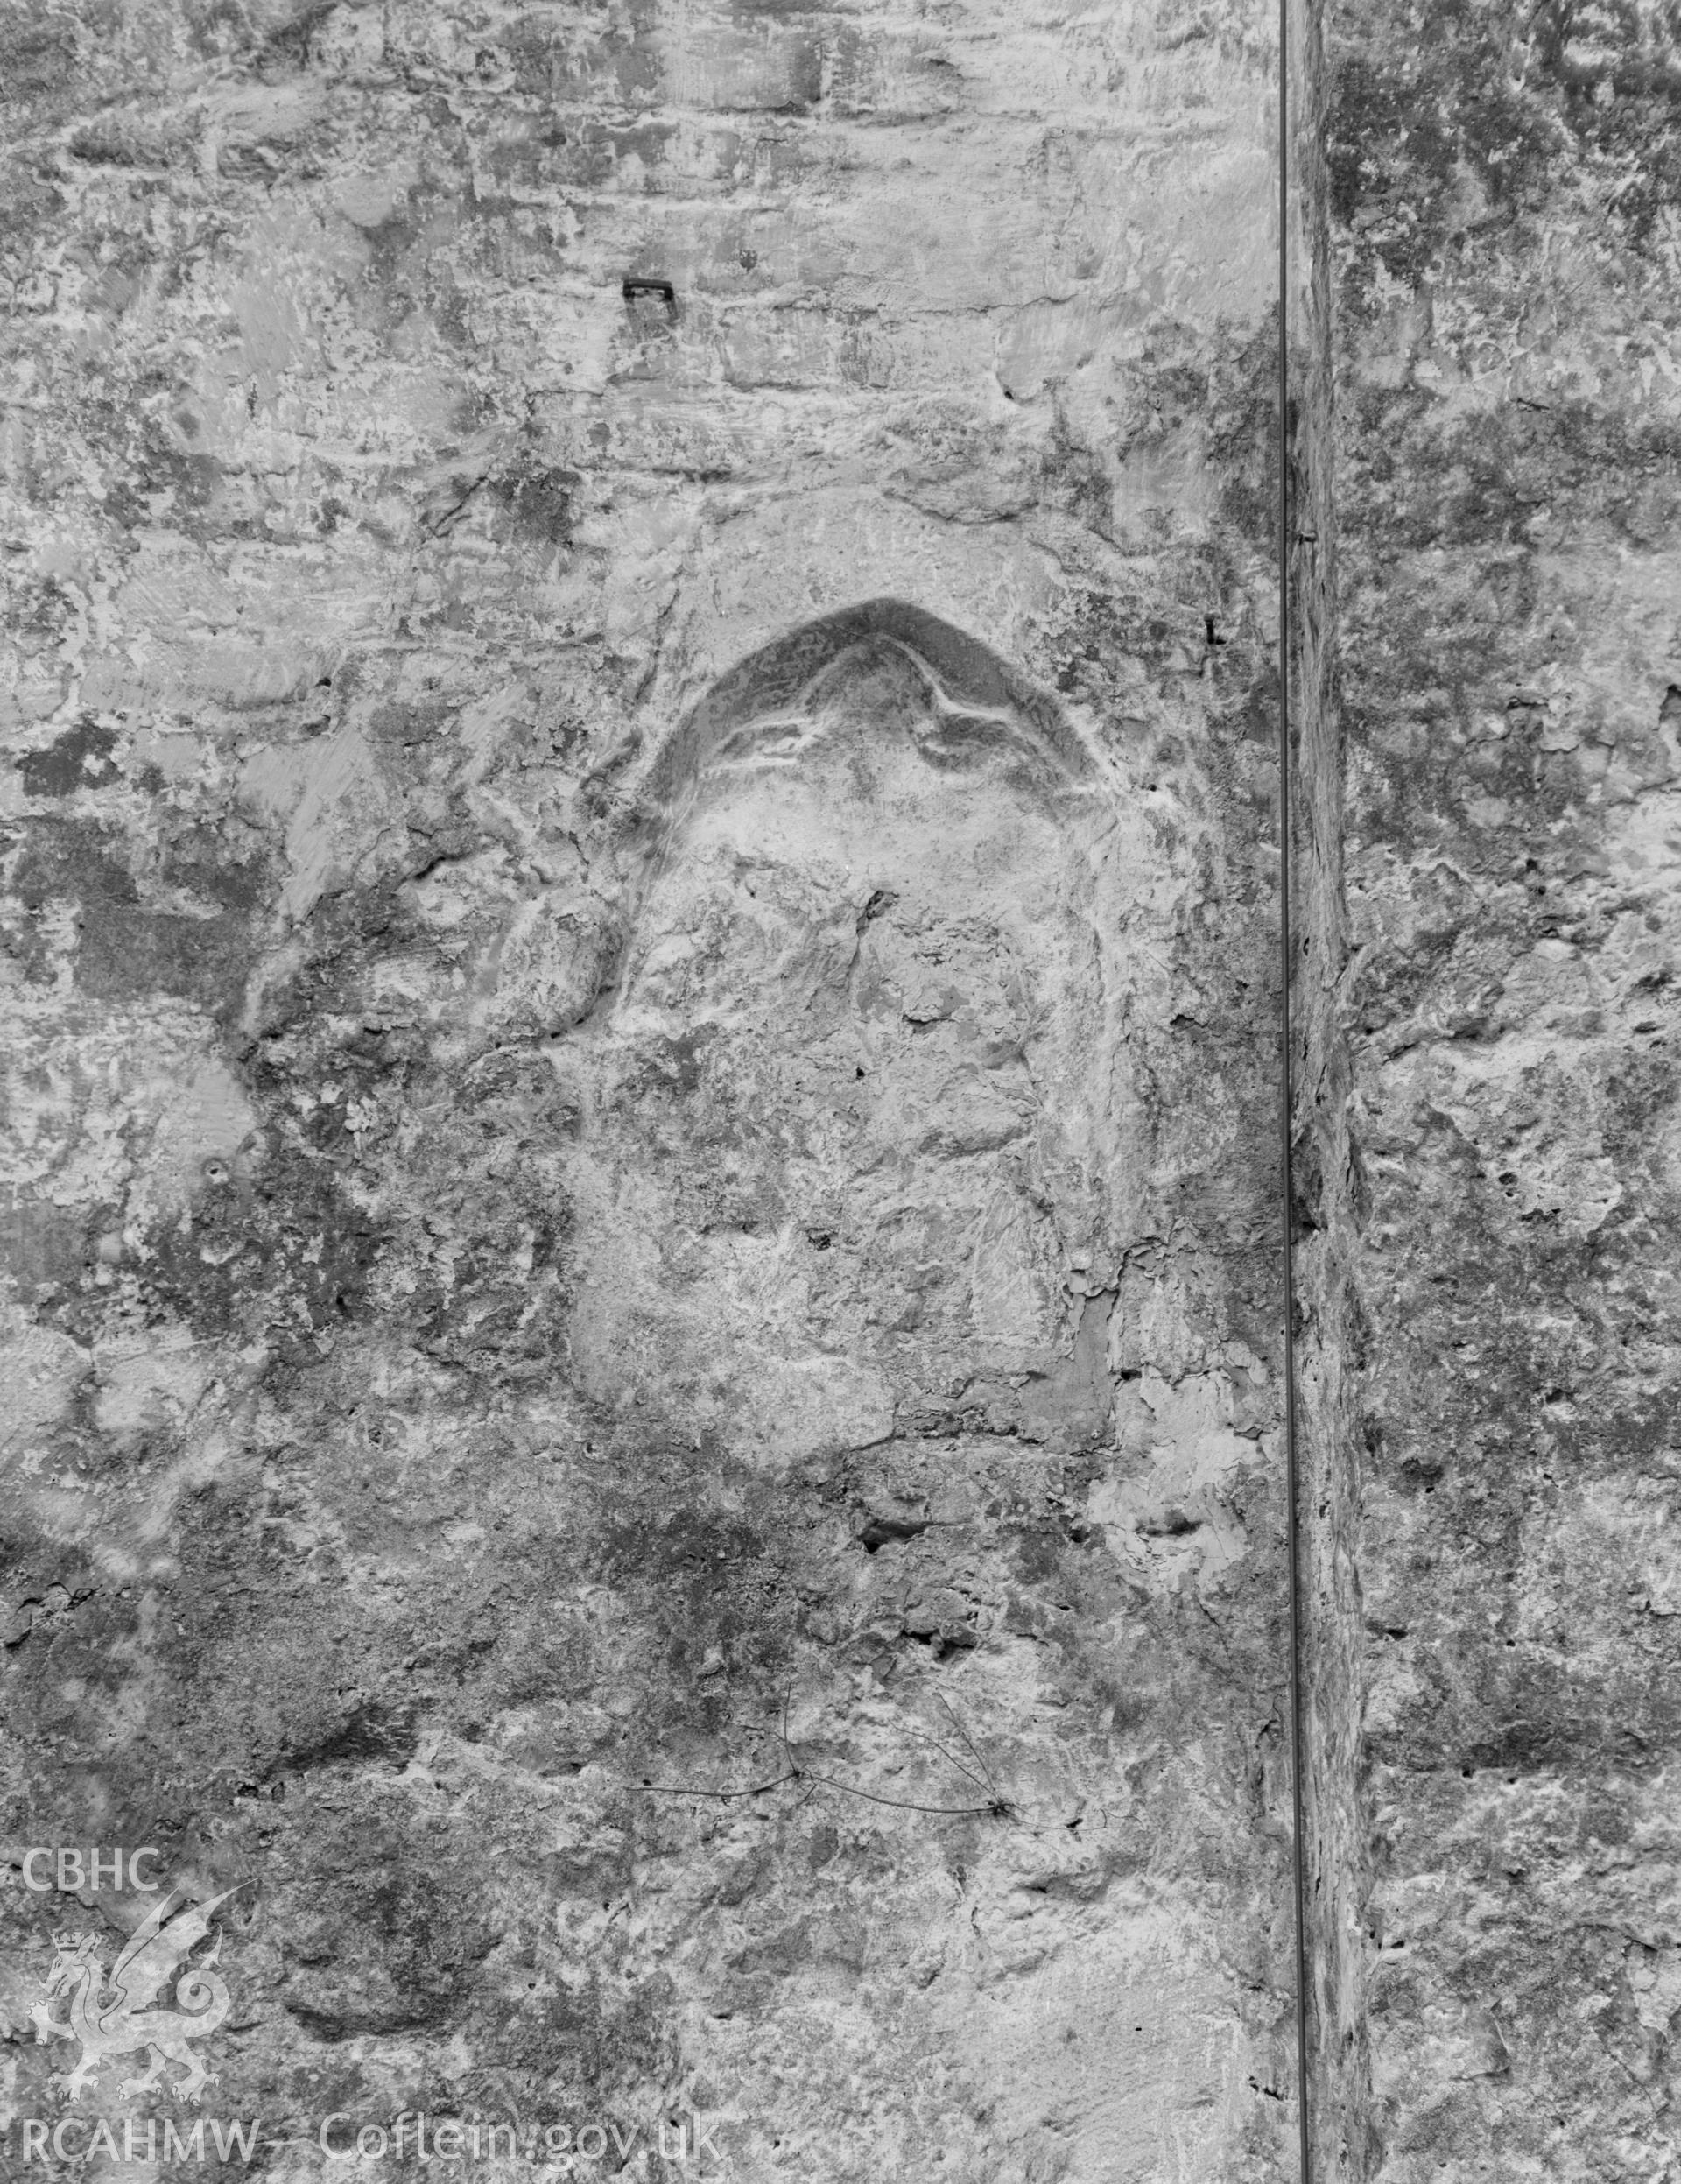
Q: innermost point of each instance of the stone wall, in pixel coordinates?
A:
(641, 1184)
(1503, 195)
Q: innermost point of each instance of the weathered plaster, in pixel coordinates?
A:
(465, 1406)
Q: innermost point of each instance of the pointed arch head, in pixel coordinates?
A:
(867, 687)
(972, 701)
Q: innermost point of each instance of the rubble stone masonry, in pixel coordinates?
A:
(1502, 196)
(641, 1189)
(643, 1438)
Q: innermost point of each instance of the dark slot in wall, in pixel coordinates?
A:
(1326, 1195)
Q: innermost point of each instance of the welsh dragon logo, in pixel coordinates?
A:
(108, 2013)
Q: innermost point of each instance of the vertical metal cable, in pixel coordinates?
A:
(1286, 948)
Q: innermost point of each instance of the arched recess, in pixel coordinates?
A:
(857, 1178)
(864, 960)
